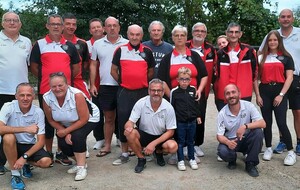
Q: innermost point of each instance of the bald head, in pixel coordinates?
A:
(286, 19)
(284, 11)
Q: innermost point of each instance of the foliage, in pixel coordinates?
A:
(256, 21)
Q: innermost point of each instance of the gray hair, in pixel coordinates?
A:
(156, 22)
(24, 84)
(198, 24)
(10, 12)
(179, 28)
(156, 81)
(233, 24)
(55, 16)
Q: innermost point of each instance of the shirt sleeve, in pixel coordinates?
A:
(171, 118)
(220, 123)
(116, 57)
(136, 112)
(254, 113)
(149, 57)
(35, 55)
(74, 55)
(40, 121)
(6, 112)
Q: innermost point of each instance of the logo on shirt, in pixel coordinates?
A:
(77, 46)
(280, 58)
(65, 47)
(189, 58)
(142, 54)
(243, 115)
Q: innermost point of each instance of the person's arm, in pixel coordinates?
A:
(115, 72)
(4, 129)
(259, 100)
(75, 69)
(83, 115)
(150, 73)
(253, 125)
(287, 83)
(34, 68)
(224, 140)
(201, 87)
(35, 59)
(149, 149)
(40, 143)
(93, 73)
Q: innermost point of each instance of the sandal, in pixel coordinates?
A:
(103, 153)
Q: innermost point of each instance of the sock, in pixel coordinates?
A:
(125, 154)
(80, 167)
(15, 173)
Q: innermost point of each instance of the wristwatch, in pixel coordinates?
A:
(25, 156)
(281, 94)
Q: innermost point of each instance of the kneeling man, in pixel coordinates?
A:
(157, 123)
(22, 126)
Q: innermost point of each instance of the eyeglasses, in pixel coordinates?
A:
(55, 24)
(184, 79)
(179, 36)
(233, 32)
(201, 31)
(156, 91)
(59, 74)
(11, 20)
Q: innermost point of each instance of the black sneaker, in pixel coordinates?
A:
(140, 165)
(231, 165)
(251, 169)
(160, 159)
(62, 159)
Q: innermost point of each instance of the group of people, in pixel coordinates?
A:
(153, 95)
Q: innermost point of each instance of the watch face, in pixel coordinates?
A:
(25, 156)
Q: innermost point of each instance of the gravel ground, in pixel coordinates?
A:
(210, 175)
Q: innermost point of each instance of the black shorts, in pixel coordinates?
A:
(294, 94)
(108, 97)
(146, 138)
(22, 148)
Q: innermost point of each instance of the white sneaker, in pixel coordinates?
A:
(196, 158)
(173, 159)
(74, 169)
(290, 159)
(87, 153)
(81, 174)
(181, 166)
(268, 154)
(220, 159)
(185, 152)
(98, 145)
(193, 164)
(198, 151)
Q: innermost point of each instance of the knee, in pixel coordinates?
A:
(172, 147)
(44, 162)
(9, 139)
(258, 133)
(131, 136)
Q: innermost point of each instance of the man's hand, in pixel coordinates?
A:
(240, 132)
(32, 129)
(93, 91)
(232, 144)
(19, 163)
(68, 139)
(149, 149)
(198, 95)
(61, 133)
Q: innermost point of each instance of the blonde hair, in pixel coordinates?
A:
(184, 70)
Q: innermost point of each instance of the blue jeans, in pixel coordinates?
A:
(185, 137)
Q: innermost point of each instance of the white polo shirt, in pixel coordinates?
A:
(11, 115)
(14, 60)
(67, 113)
(154, 123)
(228, 123)
(103, 50)
(292, 45)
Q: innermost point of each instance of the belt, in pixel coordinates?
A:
(273, 83)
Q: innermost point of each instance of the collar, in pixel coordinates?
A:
(187, 50)
(236, 49)
(161, 107)
(53, 98)
(74, 39)
(294, 31)
(49, 40)
(193, 46)
(130, 48)
(228, 112)
(4, 37)
(92, 40)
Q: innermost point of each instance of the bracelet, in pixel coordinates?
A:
(246, 126)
